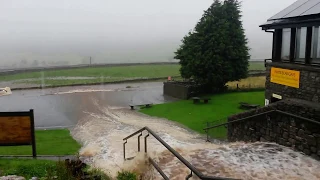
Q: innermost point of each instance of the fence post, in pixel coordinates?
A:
(207, 131)
(34, 150)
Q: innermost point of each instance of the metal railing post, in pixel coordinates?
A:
(139, 142)
(189, 176)
(207, 131)
(145, 142)
(124, 150)
(175, 153)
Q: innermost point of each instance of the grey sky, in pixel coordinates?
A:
(114, 30)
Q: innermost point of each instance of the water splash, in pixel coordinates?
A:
(83, 91)
(102, 133)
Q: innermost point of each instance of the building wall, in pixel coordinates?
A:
(286, 130)
(309, 83)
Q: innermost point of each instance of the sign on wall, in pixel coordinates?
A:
(285, 77)
(17, 129)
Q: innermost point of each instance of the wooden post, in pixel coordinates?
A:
(34, 150)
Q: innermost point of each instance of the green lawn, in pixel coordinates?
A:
(27, 168)
(48, 142)
(102, 74)
(195, 116)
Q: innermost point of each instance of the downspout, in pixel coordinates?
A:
(268, 31)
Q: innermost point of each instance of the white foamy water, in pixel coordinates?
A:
(84, 91)
(102, 133)
(93, 90)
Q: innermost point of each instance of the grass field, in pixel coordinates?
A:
(44, 169)
(101, 74)
(248, 83)
(195, 116)
(27, 168)
(48, 142)
(257, 66)
(109, 73)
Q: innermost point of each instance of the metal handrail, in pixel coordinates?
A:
(299, 117)
(256, 115)
(238, 120)
(175, 153)
(155, 165)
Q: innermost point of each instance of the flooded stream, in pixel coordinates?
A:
(99, 118)
(102, 132)
(63, 107)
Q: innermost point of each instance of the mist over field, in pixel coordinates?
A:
(44, 32)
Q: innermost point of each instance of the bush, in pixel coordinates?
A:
(125, 175)
(98, 174)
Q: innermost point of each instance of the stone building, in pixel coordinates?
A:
(291, 116)
(294, 70)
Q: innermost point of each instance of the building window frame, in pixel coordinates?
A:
(297, 43)
(293, 46)
(288, 44)
(315, 47)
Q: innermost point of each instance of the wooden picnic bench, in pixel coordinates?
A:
(148, 105)
(244, 105)
(196, 100)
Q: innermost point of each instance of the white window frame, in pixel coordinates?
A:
(298, 57)
(287, 43)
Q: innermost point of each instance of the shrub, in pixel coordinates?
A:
(125, 175)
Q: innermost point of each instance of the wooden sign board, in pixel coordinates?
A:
(17, 129)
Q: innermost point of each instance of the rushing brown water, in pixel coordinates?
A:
(101, 133)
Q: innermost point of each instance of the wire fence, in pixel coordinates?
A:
(248, 84)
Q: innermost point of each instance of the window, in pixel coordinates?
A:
(315, 46)
(285, 48)
(301, 42)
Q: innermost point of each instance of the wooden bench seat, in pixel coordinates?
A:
(197, 100)
(148, 105)
(244, 105)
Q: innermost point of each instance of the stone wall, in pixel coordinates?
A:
(309, 83)
(286, 130)
(177, 90)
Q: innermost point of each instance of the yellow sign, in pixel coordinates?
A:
(285, 77)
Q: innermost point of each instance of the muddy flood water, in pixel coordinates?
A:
(100, 118)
